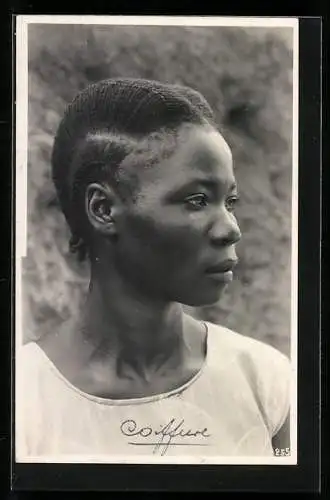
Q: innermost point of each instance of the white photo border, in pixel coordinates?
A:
(21, 102)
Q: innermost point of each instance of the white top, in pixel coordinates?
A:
(233, 407)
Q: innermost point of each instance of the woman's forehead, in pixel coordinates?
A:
(205, 148)
(200, 153)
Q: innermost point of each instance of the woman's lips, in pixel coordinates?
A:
(223, 277)
(222, 267)
(222, 271)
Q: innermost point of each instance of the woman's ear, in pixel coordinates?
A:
(99, 205)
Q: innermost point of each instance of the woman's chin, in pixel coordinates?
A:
(205, 297)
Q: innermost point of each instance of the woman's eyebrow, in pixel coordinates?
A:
(194, 183)
(212, 183)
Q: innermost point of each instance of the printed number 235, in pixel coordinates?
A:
(282, 452)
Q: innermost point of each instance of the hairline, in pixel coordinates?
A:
(147, 150)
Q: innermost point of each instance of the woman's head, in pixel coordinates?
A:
(141, 171)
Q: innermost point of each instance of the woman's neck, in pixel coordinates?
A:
(126, 344)
(138, 332)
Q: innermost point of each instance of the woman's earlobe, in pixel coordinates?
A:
(99, 204)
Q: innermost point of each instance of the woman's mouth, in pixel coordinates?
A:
(222, 271)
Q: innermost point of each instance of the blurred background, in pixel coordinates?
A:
(246, 75)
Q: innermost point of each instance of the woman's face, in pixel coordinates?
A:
(177, 240)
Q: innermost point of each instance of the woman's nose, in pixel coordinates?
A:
(225, 230)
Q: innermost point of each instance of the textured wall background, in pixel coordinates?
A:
(246, 75)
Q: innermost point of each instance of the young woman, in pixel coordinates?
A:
(146, 183)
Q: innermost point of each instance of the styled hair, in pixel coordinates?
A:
(109, 122)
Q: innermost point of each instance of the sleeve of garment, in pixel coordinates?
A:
(21, 410)
(274, 379)
(27, 416)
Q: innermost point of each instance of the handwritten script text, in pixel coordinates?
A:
(173, 433)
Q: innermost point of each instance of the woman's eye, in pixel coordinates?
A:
(196, 201)
(231, 203)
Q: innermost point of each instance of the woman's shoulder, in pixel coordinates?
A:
(30, 359)
(266, 370)
(27, 350)
(226, 342)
